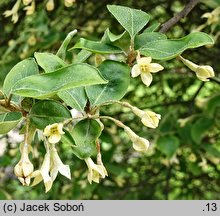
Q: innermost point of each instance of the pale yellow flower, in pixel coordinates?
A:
(58, 166)
(27, 2)
(69, 3)
(50, 5)
(148, 118)
(54, 132)
(139, 143)
(144, 68)
(13, 12)
(212, 17)
(95, 171)
(30, 9)
(202, 72)
(43, 173)
(24, 168)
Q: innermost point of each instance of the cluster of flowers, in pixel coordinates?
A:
(52, 163)
(30, 6)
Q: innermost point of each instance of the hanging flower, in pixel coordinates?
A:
(54, 132)
(144, 68)
(148, 118)
(69, 3)
(50, 5)
(13, 12)
(57, 165)
(139, 143)
(27, 2)
(43, 173)
(95, 171)
(24, 168)
(212, 17)
(30, 9)
(203, 72)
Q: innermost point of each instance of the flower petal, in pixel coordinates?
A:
(144, 60)
(155, 67)
(146, 78)
(54, 138)
(65, 171)
(135, 71)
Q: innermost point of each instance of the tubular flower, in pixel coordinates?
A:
(95, 171)
(50, 5)
(30, 9)
(202, 72)
(24, 168)
(139, 143)
(144, 68)
(148, 118)
(54, 132)
(43, 173)
(13, 12)
(58, 166)
(69, 3)
(212, 17)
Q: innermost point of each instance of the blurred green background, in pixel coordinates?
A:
(184, 159)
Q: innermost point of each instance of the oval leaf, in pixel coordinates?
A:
(118, 75)
(85, 134)
(46, 85)
(21, 70)
(8, 121)
(168, 145)
(168, 49)
(48, 61)
(47, 112)
(96, 47)
(132, 20)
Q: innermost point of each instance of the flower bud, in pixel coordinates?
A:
(24, 169)
(50, 5)
(203, 72)
(139, 143)
(69, 3)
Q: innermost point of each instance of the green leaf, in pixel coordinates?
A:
(147, 37)
(96, 47)
(82, 56)
(67, 138)
(47, 112)
(109, 37)
(152, 27)
(168, 49)
(85, 134)
(48, 61)
(168, 145)
(132, 20)
(21, 70)
(118, 75)
(212, 104)
(63, 48)
(213, 151)
(8, 121)
(200, 128)
(46, 85)
(75, 98)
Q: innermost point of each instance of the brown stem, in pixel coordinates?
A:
(171, 22)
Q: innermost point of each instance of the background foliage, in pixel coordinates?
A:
(184, 159)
